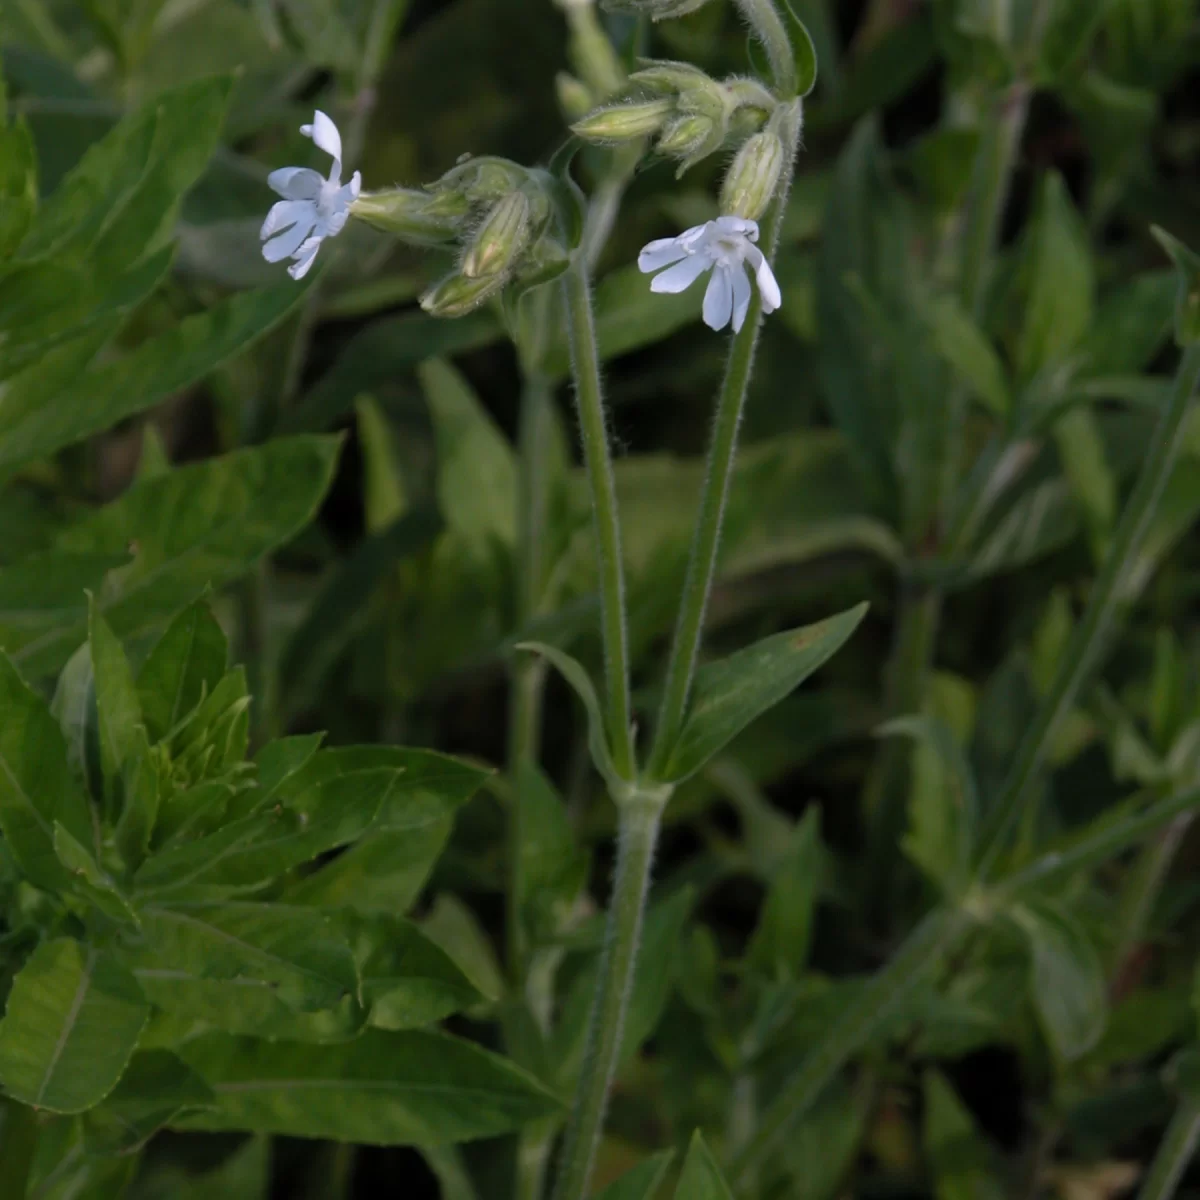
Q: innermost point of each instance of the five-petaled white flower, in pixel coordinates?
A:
(312, 208)
(726, 247)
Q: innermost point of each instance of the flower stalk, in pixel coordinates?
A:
(702, 562)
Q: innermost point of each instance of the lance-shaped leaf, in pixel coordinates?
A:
(156, 1087)
(193, 528)
(73, 1019)
(186, 664)
(1187, 304)
(37, 787)
(780, 944)
(382, 1089)
(119, 713)
(301, 955)
(1066, 980)
(701, 1178)
(642, 1183)
(730, 693)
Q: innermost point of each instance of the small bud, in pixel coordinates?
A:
(574, 97)
(685, 136)
(623, 122)
(500, 240)
(592, 54)
(753, 177)
(668, 77)
(412, 215)
(482, 180)
(456, 295)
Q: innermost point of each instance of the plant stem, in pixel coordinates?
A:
(722, 453)
(1174, 1154)
(637, 836)
(593, 430)
(763, 17)
(849, 1033)
(1084, 647)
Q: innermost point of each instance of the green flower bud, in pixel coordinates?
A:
(482, 180)
(753, 177)
(574, 97)
(592, 54)
(456, 295)
(501, 239)
(618, 123)
(413, 215)
(684, 136)
(667, 77)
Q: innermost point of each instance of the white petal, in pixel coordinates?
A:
(304, 258)
(718, 299)
(682, 275)
(768, 285)
(296, 183)
(731, 226)
(659, 254)
(333, 224)
(349, 192)
(285, 244)
(741, 297)
(325, 133)
(286, 213)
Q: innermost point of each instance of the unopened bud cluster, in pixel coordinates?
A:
(656, 10)
(689, 113)
(497, 211)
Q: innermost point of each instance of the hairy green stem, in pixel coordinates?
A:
(1174, 1154)
(641, 814)
(1089, 635)
(722, 453)
(763, 17)
(593, 429)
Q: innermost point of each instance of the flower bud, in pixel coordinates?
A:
(574, 97)
(482, 180)
(668, 77)
(412, 215)
(684, 136)
(500, 240)
(456, 295)
(623, 122)
(753, 177)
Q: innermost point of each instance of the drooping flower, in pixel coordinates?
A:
(725, 247)
(313, 208)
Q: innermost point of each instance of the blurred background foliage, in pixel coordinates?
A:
(943, 431)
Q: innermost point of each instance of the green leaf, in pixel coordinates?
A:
(120, 200)
(383, 1089)
(477, 483)
(185, 665)
(35, 423)
(730, 693)
(1093, 484)
(944, 803)
(962, 1161)
(1068, 33)
(37, 787)
(805, 51)
(18, 185)
(90, 879)
(963, 345)
(18, 1145)
(73, 1019)
(198, 527)
(119, 713)
(302, 956)
(701, 1178)
(643, 1182)
(779, 947)
(1066, 982)
(455, 928)
(407, 979)
(1059, 282)
(573, 671)
(553, 867)
(1187, 303)
(157, 1086)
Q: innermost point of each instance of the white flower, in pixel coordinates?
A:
(726, 247)
(312, 208)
